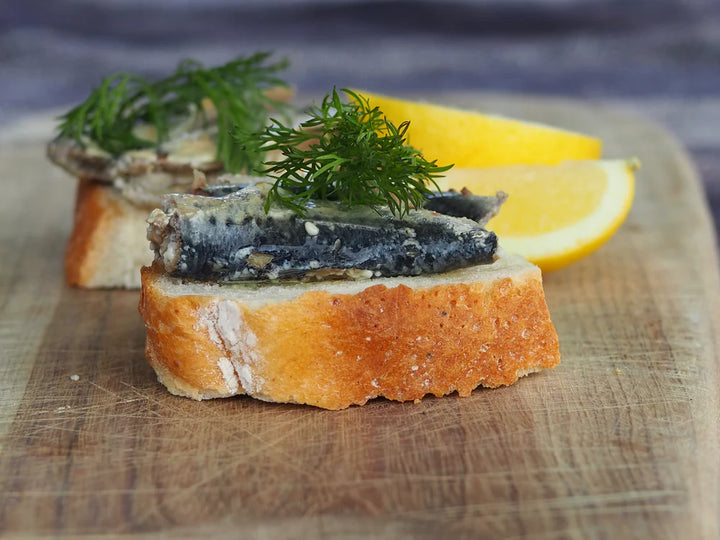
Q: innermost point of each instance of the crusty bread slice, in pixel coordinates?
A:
(335, 344)
(108, 244)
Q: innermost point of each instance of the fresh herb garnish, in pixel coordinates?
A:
(350, 152)
(237, 89)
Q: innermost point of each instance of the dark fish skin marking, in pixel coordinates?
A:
(479, 208)
(218, 190)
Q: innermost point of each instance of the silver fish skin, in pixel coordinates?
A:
(232, 238)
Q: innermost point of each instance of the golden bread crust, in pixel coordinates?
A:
(336, 350)
(94, 213)
(181, 356)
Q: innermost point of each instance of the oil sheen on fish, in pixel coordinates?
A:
(232, 238)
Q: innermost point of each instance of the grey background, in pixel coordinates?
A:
(658, 57)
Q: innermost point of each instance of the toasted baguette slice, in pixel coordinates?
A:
(335, 344)
(108, 244)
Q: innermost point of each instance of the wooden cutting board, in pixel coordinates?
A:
(620, 441)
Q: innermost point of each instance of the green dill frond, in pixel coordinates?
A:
(350, 152)
(237, 90)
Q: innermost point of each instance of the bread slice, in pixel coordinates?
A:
(335, 344)
(108, 244)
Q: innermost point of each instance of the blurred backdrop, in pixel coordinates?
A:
(661, 57)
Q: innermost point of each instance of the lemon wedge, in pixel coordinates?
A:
(472, 139)
(557, 214)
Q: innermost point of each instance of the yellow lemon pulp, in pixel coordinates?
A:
(554, 215)
(472, 139)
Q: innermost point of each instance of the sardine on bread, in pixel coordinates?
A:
(334, 308)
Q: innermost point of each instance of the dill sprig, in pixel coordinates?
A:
(237, 89)
(349, 152)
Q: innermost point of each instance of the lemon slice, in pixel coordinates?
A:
(554, 215)
(471, 139)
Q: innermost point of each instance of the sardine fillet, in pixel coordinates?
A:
(336, 344)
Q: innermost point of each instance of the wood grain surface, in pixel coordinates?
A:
(620, 441)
